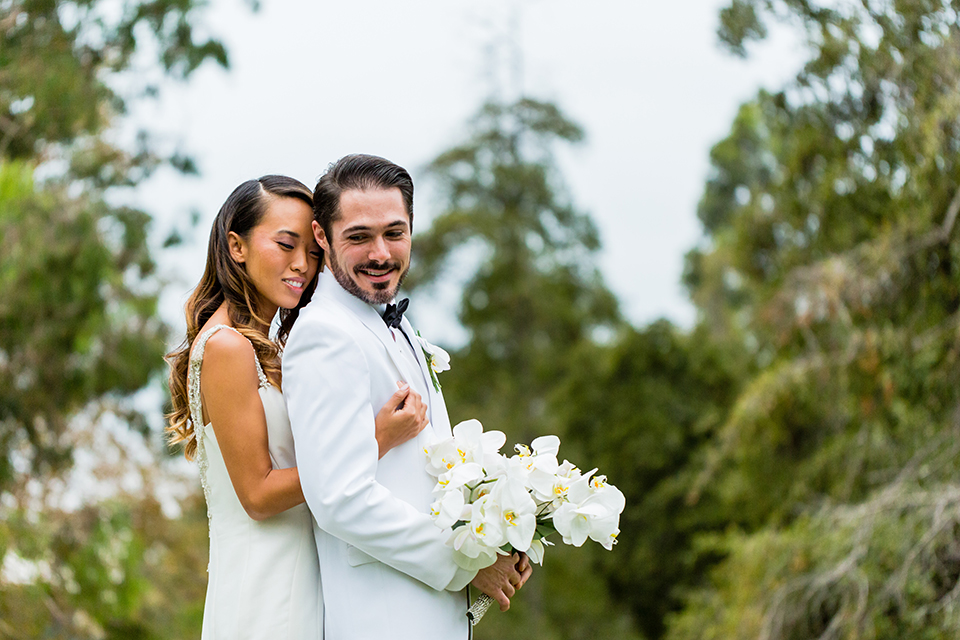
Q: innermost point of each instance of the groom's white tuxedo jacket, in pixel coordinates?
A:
(385, 569)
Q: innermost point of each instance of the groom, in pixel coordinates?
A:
(385, 569)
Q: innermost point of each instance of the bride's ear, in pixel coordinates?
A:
(237, 248)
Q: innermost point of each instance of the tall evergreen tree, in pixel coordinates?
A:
(532, 298)
(535, 292)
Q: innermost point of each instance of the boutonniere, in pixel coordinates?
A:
(437, 359)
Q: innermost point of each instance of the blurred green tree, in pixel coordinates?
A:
(532, 292)
(643, 409)
(77, 303)
(78, 326)
(831, 261)
(532, 297)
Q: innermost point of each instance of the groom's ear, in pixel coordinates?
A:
(236, 247)
(320, 236)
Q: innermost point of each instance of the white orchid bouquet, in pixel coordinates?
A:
(494, 504)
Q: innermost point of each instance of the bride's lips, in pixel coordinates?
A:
(296, 284)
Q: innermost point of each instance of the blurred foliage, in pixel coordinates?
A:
(831, 261)
(642, 409)
(117, 570)
(790, 464)
(60, 62)
(77, 298)
(535, 285)
(79, 331)
(73, 327)
(532, 298)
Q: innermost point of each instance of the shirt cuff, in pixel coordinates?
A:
(461, 579)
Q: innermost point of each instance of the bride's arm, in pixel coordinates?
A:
(229, 385)
(229, 388)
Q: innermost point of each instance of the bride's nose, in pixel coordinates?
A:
(300, 262)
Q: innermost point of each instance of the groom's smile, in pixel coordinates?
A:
(378, 275)
(368, 250)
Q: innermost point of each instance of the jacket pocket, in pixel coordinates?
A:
(356, 557)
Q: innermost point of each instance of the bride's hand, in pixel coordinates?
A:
(401, 418)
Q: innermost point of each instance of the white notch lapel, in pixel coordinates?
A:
(420, 379)
(433, 397)
(375, 323)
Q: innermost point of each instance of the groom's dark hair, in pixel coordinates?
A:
(358, 171)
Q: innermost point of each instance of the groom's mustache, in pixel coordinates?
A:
(377, 266)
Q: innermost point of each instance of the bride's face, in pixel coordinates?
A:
(280, 253)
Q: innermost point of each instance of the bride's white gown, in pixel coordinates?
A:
(264, 581)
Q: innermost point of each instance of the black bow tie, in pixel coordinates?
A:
(394, 313)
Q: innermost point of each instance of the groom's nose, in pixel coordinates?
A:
(378, 250)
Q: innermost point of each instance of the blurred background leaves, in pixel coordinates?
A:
(80, 333)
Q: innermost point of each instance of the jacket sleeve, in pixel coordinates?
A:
(326, 384)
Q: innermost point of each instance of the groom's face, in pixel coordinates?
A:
(368, 250)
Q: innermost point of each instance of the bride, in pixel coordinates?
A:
(262, 262)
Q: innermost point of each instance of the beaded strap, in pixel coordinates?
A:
(196, 408)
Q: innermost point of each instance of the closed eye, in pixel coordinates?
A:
(288, 247)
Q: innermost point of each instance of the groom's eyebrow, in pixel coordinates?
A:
(363, 227)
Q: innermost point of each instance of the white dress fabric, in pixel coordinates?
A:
(264, 577)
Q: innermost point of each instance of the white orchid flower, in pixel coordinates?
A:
(546, 446)
(608, 495)
(517, 512)
(568, 470)
(537, 550)
(458, 476)
(571, 524)
(438, 358)
(480, 537)
(490, 501)
(589, 513)
(553, 486)
(591, 520)
(606, 528)
(549, 488)
(473, 555)
(541, 454)
(605, 531)
(475, 445)
(448, 509)
(513, 468)
(579, 489)
(442, 456)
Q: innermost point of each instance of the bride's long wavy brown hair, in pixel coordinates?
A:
(224, 279)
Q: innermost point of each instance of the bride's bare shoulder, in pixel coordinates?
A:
(229, 357)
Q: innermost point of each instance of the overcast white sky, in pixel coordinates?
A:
(313, 80)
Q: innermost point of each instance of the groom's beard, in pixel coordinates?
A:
(381, 296)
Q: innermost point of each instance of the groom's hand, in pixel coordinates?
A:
(525, 569)
(501, 580)
(401, 418)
